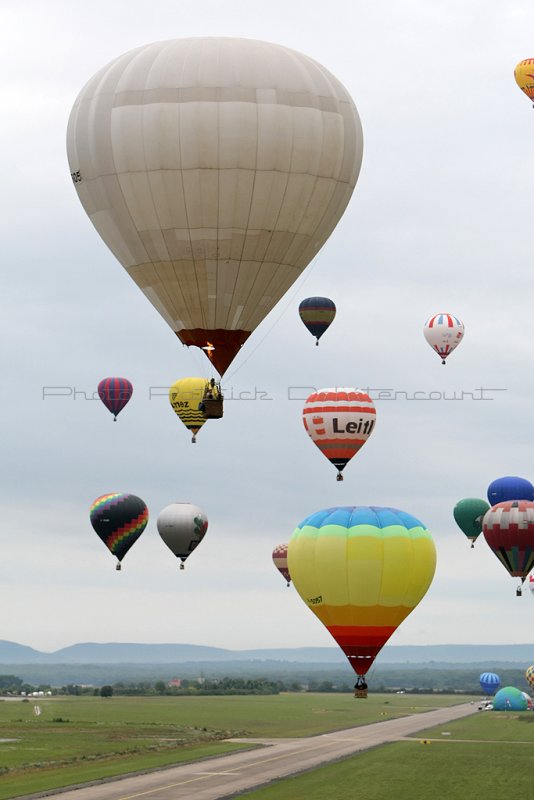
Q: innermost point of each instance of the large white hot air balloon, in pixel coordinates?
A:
(214, 169)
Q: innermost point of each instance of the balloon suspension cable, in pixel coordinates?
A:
(306, 273)
(119, 566)
(339, 476)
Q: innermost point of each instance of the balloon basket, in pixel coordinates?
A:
(182, 566)
(118, 567)
(213, 407)
(339, 476)
(360, 694)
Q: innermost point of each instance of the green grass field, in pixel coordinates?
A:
(79, 739)
(497, 767)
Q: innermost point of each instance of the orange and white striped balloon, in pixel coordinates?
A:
(339, 421)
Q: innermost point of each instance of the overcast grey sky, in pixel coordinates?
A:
(440, 220)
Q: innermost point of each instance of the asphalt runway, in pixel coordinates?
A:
(225, 776)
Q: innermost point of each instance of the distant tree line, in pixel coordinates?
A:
(420, 680)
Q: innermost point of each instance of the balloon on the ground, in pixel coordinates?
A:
(119, 520)
(361, 570)
(489, 682)
(115, 393)
(317, 314)
(215, 169)
(509, 699)
(443, 332)
(182, 526)
(468, 514)
(509, 531)
(280, 561)
(528, 698)
(339, 422)
(524, 77)
(531, 582)
(510, 488)
(185, 397)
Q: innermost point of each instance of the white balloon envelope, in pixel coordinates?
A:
(443, 332)
(182, 527)
(214, 169)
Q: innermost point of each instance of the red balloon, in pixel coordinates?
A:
(115, 393)
(509, 531)
(280, 561)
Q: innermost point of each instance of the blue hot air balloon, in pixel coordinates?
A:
(509, 488)
(490, 682)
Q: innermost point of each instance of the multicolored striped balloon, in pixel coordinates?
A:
(119, 520)
(317, 314)
(115, 393)
(509, 531)
(443, 332)
(280, 561)
(339, 422)
(361, 570)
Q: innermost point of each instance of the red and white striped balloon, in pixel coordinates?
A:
(444, 332)
(339, 421)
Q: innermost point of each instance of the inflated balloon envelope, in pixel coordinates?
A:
(215, 169)
(361, 570)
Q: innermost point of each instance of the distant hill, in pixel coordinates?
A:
(12, 653)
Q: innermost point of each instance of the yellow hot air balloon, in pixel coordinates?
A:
(361, 570)
(215, 169)
(524, 77)
(187, 396)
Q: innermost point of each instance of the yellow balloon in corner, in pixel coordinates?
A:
(524, 77)
(185, 396)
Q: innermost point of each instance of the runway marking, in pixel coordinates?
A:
(216, 773)
(205, 775)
